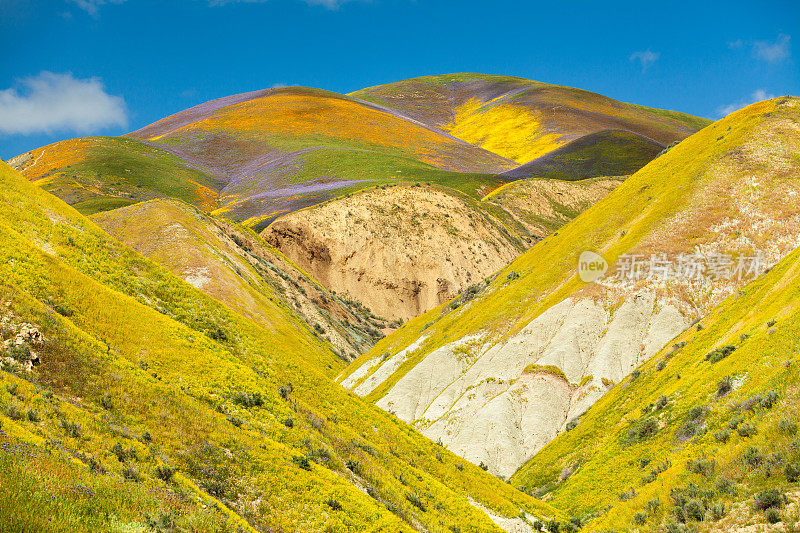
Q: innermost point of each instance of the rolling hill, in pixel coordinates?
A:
(119, 375)
(603, 153)
(235, 266)
(262, 158)
(522, 119)
(499, 372)
(719, 447)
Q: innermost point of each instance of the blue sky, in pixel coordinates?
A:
(83, 67)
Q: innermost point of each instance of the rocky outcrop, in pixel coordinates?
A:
(399, 251)
(499, 403)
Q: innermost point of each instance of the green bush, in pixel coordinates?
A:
(746, 430)
(693, 423)
(334, 504)
(13, 412)
(720, 353)
(695, 510)
(724, 386)
(701, 465)
(661, 402)
(773, 516)
(415, 500)
(753, 456)
(722, 436)
(769, 499)
(788, 427)
(769, 399)
(106, 403)
(302, 462)
(165, 473)
(642, 430)
(726, 486)
(72, 429)
(792, 472)
(33, 415)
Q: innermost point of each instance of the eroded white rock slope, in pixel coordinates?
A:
(499, 403)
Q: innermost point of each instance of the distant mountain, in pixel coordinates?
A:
(523, 119)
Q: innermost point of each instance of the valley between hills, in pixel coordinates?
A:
(299, 310)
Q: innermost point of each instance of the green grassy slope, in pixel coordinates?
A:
(139, 370)
(238, 268)
(709, 421)
(603, 153)
(100, 173)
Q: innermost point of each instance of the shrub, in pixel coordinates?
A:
(33, 415)
(718, 511)
(693, 423)
(285, 390)
(106, 403)
(235, 420)
(354, 466)
(724, 386)
(72, 429)
(726, 485)
(654, 473)
(302, 462)
(289, 423)
(642, 429)
(751, 403)
(661, 402)
(248, 400)
(792, 472)
(123, 454)
(753, 456)
(415, 500)
(769, 399)
(635, 375)
(572, 424)
(130, 473)
(661, 365)
(788, 427)
(746, 430)
(769, 499)
(334, 504)
(13, 412)
(722, 436)
(734, 422)
(695, 510)
(165, 473)
(773, 516)
(701, 465)
(627, 496)
(720, 353)
(483, 466)
(147, 438)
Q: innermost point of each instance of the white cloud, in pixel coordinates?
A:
(757, 96)
(773, 52)
(91, 6)
(645, 58)
(57, 102)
